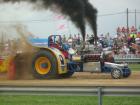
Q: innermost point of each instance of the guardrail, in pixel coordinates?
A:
(73, 91)
(129, 58)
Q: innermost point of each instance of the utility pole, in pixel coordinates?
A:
(127, 13)
(1, 42)
(135, 19)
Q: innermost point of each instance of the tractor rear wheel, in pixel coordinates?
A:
(44, 65)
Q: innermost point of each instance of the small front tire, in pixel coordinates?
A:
(116, 73)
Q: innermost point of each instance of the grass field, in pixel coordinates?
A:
(134, 67)
(66, 100)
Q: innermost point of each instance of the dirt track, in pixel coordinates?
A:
(79, 79)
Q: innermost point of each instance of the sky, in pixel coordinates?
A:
(109, 23)
(43, 23)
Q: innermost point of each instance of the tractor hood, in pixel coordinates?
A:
(108, 64)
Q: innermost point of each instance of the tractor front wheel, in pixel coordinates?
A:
(116, 73)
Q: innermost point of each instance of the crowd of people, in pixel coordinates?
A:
(125, 42)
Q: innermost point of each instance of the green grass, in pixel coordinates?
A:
(134, 67)
(66, 100)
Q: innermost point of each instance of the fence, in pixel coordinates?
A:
(73, 91)
(129, 58)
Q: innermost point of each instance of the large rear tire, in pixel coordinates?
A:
(44, 65)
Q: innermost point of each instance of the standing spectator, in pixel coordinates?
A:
(78, 39)
(87, 37)
(70, 40)
(64, 39)
(75, 40)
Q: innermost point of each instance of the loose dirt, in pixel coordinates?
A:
(79, 79)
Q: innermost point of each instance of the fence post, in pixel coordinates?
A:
(99, 96)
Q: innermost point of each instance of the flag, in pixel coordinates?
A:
(58, 17)
(61, 27)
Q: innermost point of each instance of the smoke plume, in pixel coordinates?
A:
(77, 10)
(91, 15)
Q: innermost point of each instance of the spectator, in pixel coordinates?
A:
(78, 39)
(64, 39)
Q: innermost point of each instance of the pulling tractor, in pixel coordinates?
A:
(59, 60)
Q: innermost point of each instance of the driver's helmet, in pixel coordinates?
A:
(66, 46)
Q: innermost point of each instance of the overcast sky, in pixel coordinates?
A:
(43, 23)
(109, 23)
